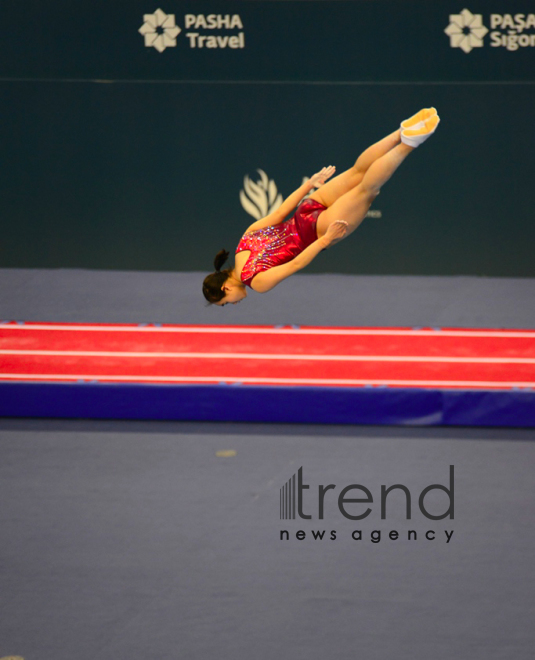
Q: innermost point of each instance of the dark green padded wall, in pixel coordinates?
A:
(117, 156)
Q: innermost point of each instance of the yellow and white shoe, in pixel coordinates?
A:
(414, 137)
(417, 120)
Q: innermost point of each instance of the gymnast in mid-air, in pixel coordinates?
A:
(273, 248)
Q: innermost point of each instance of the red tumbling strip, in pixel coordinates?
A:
(315, 356)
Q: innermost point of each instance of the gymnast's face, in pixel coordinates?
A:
(233, 294)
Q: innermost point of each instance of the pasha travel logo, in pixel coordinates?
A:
(510, 31)
(160, 30)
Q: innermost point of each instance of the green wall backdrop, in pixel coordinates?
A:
(118, 156)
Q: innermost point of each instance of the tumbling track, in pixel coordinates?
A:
(262, 355)
(295, 358)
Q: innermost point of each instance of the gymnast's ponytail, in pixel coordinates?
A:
(212, 284)
(220, 259)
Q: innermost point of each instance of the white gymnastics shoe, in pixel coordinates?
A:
(417, 120)
(415, 137)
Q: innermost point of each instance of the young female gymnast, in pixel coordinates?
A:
(273, 249)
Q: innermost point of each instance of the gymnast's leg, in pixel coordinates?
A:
(351, 178)
(354, 204)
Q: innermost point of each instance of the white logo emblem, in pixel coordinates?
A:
(466, 30)
(159, 30)
(260, 199)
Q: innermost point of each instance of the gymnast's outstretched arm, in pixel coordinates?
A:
(293, 200)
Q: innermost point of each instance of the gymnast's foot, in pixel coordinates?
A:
(417, 120)
(416, 137)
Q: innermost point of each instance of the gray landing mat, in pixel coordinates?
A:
(308, 299)
(133, 540)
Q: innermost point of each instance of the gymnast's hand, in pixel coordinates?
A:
(335, 232)
(319, 179)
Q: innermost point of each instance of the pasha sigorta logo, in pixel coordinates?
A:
(356, 502)
(466, 30)
(510, 31)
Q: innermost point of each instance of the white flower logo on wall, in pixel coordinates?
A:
(466, 30)
(159, 30)
(260, 199)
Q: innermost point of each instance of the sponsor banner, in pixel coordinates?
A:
(511, 31)
(381, 41)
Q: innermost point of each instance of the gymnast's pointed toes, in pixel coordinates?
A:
(414, 137)
(417, 121)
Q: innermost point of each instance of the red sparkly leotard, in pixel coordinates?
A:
(278, 244)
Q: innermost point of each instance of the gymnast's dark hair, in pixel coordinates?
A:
(212, 284)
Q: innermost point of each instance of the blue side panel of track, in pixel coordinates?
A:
(310, 405)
